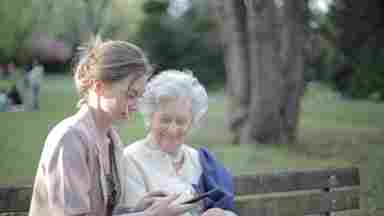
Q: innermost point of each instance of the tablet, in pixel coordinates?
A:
(201, 196)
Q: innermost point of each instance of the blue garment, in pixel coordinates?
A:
(215, 175)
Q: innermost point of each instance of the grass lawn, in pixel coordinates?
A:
(333, 133)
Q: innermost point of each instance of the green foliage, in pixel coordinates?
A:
(367, 80)
(15, 20)
(68, 21)
(185, 42)
(352, 51)
(324, 67)
(361, 77)
(155, 7)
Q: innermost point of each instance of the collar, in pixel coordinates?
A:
(177, 157)
(95, 138)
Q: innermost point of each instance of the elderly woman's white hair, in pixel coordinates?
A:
(174, 83)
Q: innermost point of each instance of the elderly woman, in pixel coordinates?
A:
(172, 104)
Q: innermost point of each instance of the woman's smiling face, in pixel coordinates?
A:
(171, 122)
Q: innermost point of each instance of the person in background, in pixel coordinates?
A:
(16, 92)
(14, 97)
(26, 70)
(3, 100)
(35, 77)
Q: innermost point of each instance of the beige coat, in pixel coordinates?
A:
(70, 176)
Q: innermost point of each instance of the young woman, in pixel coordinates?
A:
(82, 160)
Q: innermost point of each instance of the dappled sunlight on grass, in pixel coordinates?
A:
(331, 125)
(250, 159)
(321, 107)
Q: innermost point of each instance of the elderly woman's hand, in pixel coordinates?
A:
(148, 199)
(214, 212)
(164, 207)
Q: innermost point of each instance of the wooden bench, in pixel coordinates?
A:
(298, 193)
(276, 194)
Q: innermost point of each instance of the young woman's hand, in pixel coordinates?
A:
(214, 212)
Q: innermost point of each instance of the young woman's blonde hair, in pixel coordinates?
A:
(109, 61)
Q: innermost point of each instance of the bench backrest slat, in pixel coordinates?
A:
(15, 199)
(293, 181)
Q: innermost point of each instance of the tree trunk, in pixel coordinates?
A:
(264, 43)
(236, 62)
(294, 40)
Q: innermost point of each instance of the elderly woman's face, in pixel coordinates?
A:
(171, 122)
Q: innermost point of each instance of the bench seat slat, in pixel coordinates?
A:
(298, 204)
